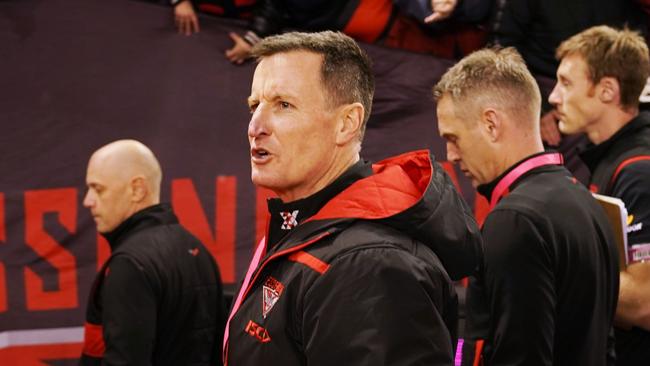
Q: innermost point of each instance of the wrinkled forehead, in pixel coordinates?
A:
(288, 71)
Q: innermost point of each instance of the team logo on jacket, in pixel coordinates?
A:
(290, 220)
(271, 292)
(631, 228)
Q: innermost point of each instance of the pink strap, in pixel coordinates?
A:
(257, 257)
(521, 169)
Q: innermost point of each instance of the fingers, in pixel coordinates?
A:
(442, 9)
(240, 51)
(236, 38)
(549, 130)
(195, 24)
(187, 25)
(432, 18)
(185, 18)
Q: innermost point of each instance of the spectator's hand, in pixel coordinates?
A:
(548, 128)
(442, 9)
(185, 18)
(240, 51)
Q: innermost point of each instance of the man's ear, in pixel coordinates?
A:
(350, 119)
(609, 90)
(491, 123)
(139, 189)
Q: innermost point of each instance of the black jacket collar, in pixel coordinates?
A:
(150, 216)
(286, 216)
(486, 189)
(592, 154)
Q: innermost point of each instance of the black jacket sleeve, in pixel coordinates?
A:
(510, 22)
(520, 292)
(129, 314)
(378, 307)
(633, 187)
(269, 17)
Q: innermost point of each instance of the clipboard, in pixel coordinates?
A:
(617, 216)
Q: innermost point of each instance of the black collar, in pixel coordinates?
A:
(286, 216)
(592, 154)
(150, 216)
(486, 189)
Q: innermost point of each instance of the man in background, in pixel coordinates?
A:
(601, 75)
(546, 289)
(158, 299)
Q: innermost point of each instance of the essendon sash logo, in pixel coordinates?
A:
(290, 220)
(271, 292)
(258, 332)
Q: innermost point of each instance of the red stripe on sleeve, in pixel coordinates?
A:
(478, 350)
(626, 163)
(94, 340)
(309, 261)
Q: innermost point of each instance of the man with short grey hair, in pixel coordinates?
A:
(357, 262)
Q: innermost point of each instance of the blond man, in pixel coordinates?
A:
(600, 77)
(546, 288)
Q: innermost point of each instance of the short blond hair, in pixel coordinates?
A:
(608, 52)
(496, 76)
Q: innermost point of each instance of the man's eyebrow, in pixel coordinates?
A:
(273, 97)
(446, 134)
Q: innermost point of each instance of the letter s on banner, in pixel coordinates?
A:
(38, 202)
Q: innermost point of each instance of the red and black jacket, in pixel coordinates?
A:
(364, 281)
(158, 298)
(620, 168)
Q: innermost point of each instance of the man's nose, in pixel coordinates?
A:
(89, 201)
(555, 98)
(452, 153)
(258, 124)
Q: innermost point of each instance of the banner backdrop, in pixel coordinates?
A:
(77, 74)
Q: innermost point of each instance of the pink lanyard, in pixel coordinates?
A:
(257, 258)
(521, 169)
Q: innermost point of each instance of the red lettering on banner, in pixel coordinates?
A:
(103, 251)
(37, 203)
(191, 215)
(261, 213)
(39, 355)
(3, 238)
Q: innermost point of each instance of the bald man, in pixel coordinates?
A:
(158, 299)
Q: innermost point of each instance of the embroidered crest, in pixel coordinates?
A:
(290, 220)
(271, 292)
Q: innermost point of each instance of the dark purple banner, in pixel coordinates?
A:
(77, 74)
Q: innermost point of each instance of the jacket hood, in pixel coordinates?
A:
(413, 194)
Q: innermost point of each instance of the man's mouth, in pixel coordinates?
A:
(260, 155)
